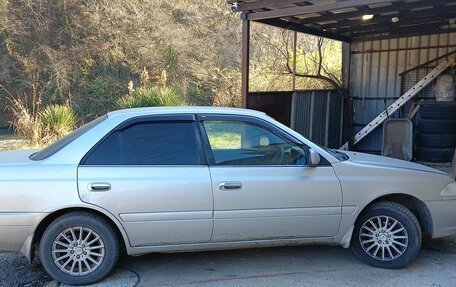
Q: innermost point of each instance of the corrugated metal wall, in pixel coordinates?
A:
(275, 104)
(374, 74)
(318, 115)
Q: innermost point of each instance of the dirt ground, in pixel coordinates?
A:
(267, 267)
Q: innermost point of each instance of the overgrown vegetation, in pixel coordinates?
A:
(93, 56)
(149, 96)
(37, 124)
(42, 127)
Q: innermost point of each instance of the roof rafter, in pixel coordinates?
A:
(245, 6)
(400, 6)
(380, 27)
(316, 8)
(404, 18)
(303, 29)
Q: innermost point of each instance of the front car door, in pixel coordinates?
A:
(151, 174)
(263, 186)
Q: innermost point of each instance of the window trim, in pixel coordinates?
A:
(248, 119)
(169, 118)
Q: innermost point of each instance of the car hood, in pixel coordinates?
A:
(16, 156)
(384, 161)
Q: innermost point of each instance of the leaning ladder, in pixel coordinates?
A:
(400, 102)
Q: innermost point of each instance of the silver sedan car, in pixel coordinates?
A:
(186, 179)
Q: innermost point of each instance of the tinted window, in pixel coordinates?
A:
(243, 143)
(58, 145)
(107, 152)
(150, 143)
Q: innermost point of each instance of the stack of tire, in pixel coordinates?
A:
(436, 137)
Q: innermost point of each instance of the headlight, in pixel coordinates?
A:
(449, 190)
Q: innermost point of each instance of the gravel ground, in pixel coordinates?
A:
(444, 245)
(15, 271)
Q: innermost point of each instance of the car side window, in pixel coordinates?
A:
(245, 143)
(148, 143)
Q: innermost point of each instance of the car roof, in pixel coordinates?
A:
(184, 109)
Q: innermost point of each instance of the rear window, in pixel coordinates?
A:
(148, 143)
(61, 143)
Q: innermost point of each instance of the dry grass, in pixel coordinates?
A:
(37, 125)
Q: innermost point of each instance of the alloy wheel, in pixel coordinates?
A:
(78, 251)
(383, 238)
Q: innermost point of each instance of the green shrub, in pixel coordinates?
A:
(58, 120)
(40, 127)
(169, 97)
(151, 97)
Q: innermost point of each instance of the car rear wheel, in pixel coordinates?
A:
(387, 235)
(79, 248)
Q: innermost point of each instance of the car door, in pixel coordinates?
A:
(263, 187)
(151, 174)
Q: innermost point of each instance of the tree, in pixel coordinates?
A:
(316, 59)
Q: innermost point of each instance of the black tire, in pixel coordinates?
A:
(437, 141)
(405, 219)
(438, 110)
(436, 127)
(100, 227)
(434, 154)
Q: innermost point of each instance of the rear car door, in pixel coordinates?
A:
(263, 186)
(151, 174)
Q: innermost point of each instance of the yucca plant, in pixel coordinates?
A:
(169, 97)
(137, 98)
(151, 97)
(57, 121)
(38, 126)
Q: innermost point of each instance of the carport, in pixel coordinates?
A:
(393, 52)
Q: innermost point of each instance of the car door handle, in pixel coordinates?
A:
(102, 186)
(230, 185)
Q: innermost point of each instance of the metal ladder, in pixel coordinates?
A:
(400, 102)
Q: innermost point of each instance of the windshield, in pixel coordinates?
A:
(335, 153)
(61, 143)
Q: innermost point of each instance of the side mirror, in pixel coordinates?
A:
(314, 158)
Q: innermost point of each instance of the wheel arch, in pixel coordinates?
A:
(415, 205)
(44, 223)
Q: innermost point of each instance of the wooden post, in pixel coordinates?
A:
(295, 40)
(245, 59)
(293, 85)
(348, 101)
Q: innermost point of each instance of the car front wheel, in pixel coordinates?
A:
(387, 235)
(79, 248)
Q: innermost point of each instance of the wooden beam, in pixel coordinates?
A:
(391, 27)
(266, 4)
(295, 42)
(400, 6)
(404, 19)
(245, 61)
(428, 62)
(289, 25)
(399, 31)
(346, 58)
(370, 37)
(316, 8)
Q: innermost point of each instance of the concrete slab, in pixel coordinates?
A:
(288, 266)
(284, 267)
